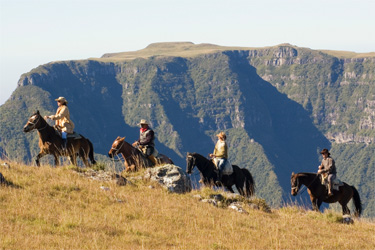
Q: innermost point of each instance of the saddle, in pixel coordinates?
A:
(143, 149)
(74, 136)
(228, 169)
(336, 183)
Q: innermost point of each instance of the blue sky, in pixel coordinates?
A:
(35, 32)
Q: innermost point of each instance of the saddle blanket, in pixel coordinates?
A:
(337, 183)
(74, 136)
(228, 169)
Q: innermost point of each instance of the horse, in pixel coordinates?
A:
(240, 177)
(318, 192)
(50, 143)
(134, 158)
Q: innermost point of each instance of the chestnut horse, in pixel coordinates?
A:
(50, 143)
(241, 177)
(318, 192)
(134, 158)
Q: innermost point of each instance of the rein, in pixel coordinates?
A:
(116, 151)
(305, 187)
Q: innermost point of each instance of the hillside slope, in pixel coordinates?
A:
(55, 208)
(279, 106)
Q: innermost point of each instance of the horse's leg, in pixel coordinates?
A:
(315, 202)
(84, 157)
(231, 189)
(40, 155)
(57, 160)
(345, 208)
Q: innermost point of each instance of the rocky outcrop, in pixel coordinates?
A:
(171, 177)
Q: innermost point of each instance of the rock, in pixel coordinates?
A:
(197, 196)
(217, 197)
(238, 207)
(5, 165)
(120, 180)
(210, 201)
(346, 219)
(171, 177)
(105, 188)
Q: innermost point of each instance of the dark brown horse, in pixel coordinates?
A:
(134, 158)
(318, 192)
(240, 177)
(50, 143)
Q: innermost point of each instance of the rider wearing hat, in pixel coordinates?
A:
(220, 153)
(146, 140)
(328, 166)
(62, 120)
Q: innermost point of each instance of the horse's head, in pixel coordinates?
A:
(33, 122)
(295, 184)
(116, 146)
(190, 163)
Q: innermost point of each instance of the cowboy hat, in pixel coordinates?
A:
(325, 151)
(143, 121)
(222, 135)
(62, 100)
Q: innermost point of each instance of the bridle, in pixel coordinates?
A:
(117, 149)
(193, 164)
(35, 122)
(305, 187)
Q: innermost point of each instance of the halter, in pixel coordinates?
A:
(117, 148)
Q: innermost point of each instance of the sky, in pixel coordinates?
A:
(36, 32)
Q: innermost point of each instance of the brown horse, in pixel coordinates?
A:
(318, 192)
(50, 143)
(134, 158)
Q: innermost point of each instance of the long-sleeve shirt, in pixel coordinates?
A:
(221, 149)
(329, 165)
(62, 119)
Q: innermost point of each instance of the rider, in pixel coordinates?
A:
(220, 153)
(146, 141)
(62, 120)
(328, 166)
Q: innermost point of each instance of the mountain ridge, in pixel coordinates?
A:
(278, 105)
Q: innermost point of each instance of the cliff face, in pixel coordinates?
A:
(279, 106)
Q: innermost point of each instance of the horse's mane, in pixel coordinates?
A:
(198, 156)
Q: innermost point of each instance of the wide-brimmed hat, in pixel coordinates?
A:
(143, 121)
(222, 135)
(62, 100)
(325, 151)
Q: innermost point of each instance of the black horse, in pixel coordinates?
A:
(240, 177)
(318, 192)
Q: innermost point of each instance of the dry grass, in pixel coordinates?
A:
(55, 208)
(189, 50)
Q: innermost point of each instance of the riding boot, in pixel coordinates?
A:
(218, 182)
(64, 143)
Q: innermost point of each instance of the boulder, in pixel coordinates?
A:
(171, 177)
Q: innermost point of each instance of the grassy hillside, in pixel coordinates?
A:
(56, 208)
(189, 49)
(279, 106)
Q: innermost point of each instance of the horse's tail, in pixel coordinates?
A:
(91, 153)
(357, 202)
(250, 185)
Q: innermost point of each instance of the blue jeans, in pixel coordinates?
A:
(64, 135)
(221, 164)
